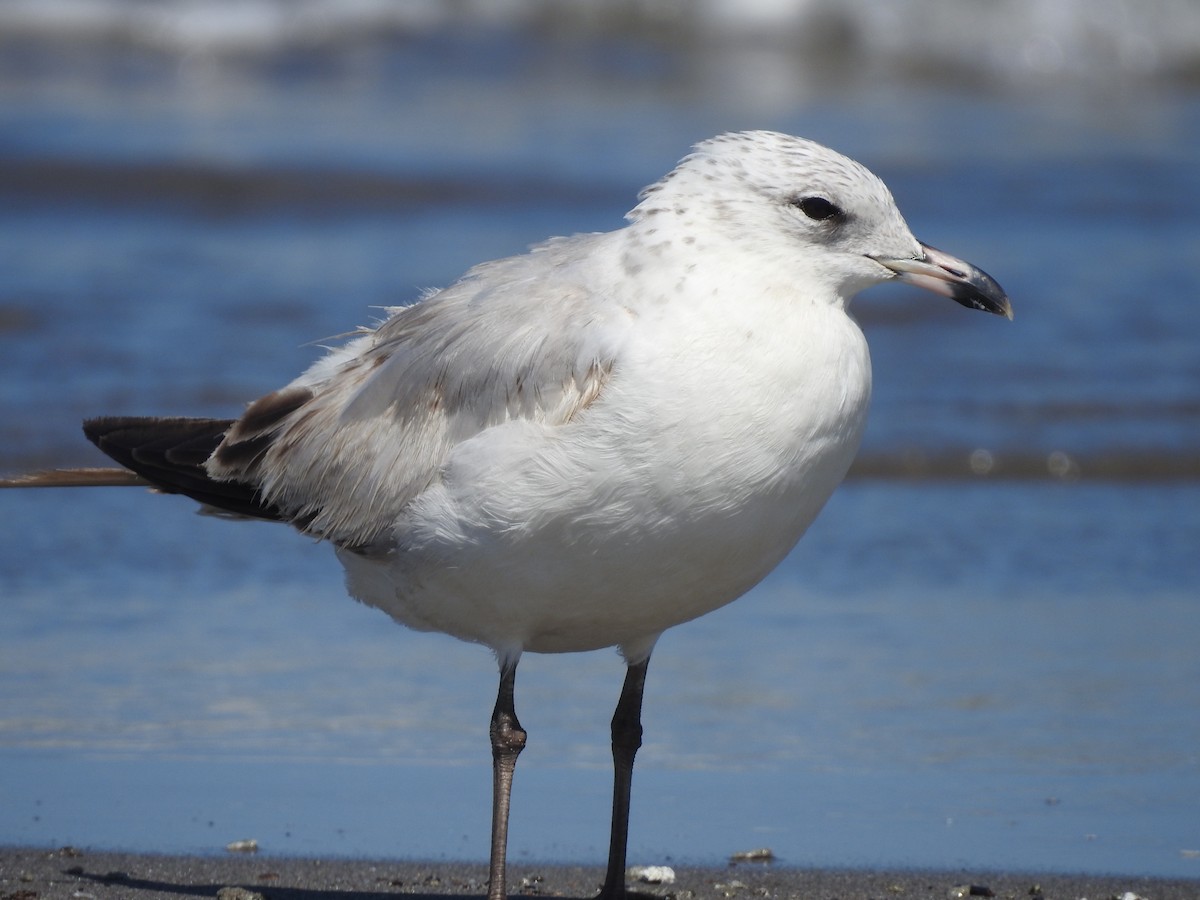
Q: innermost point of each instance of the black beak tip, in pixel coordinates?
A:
(981, 291)
(996, 303)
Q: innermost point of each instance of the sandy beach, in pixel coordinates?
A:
(74, 874)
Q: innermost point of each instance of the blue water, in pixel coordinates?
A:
(995, 675)
(948, 671)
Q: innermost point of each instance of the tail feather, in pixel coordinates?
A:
(170, 454)
(85, 477)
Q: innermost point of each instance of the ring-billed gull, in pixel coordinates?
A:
(584, 445)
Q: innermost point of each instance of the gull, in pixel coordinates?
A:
(584, 445)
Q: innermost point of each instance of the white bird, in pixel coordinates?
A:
(584, 445)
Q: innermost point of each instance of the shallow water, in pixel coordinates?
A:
(951, 669)
(996, 675)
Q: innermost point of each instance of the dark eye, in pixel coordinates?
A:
(817, 208)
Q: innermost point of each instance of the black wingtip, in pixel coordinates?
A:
(170, 453)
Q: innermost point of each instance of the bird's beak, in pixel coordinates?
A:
(951, 277)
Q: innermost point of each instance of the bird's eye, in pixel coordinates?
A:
(817, 208)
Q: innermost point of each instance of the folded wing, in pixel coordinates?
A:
(343, 449)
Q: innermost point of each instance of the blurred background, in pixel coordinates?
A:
(985, 653)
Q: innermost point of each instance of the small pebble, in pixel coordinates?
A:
(238, 893)
(651, 874)
(970, 890)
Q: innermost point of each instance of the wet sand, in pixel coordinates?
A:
(72, 874)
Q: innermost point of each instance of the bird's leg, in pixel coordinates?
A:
(626, 739)
(508, 740)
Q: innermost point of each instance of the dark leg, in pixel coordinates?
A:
(508, 740)
(626, 739)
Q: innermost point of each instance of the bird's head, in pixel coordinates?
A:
(796, 205)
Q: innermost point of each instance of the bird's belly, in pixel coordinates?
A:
(571, 584)
(621, 571)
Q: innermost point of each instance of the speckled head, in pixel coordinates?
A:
(784, 202)
(815, 214)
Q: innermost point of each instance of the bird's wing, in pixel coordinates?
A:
(345, 447)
